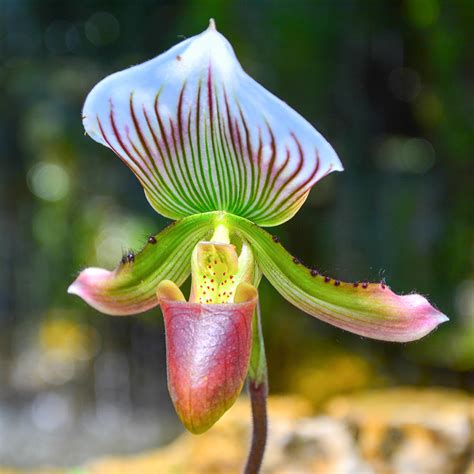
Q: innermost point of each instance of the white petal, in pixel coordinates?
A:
(202, 135)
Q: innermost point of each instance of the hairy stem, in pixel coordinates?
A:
(258, 391)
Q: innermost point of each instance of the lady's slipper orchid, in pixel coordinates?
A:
(215, 150)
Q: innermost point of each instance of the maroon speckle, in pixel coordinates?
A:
(383, 286)
(130, 257)
(178, 58)
(355, 285)
(337, 283)
(151, 239)
(365, 285)
(327, 279)
(314, 272)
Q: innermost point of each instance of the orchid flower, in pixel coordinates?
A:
(223, 157)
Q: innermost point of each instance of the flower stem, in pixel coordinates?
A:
(258, 391)
(258, 398)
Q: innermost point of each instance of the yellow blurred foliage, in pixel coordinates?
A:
(68, 339)
(319, 379)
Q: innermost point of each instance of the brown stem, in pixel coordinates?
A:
(258, 397)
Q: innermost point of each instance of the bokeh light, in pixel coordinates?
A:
(422, 13)
(48, 181)
(102, 28)
(50, 411)
(404, 154)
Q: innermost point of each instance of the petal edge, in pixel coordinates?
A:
(130, 288)
(368, 309)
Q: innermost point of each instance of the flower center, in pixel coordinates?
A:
(214, 273)
(217, 269)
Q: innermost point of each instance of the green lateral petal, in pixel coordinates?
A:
(202, 135)
(131, 287)
(368, 309)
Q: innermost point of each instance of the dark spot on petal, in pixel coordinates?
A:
(337, 283)
(355, 285)
(327, 279)
(275, 239)
(151, 239)
(178, 58)
(296, 260)
(383, 286)
(314, 272)
(130, 257)
(124, 259)
(365, 284)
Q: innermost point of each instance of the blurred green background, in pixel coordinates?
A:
(389, 84)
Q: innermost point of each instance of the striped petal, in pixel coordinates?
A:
(131, 287)
(201, 135)
(368, 309)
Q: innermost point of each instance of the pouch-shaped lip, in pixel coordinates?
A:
(208, 350)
